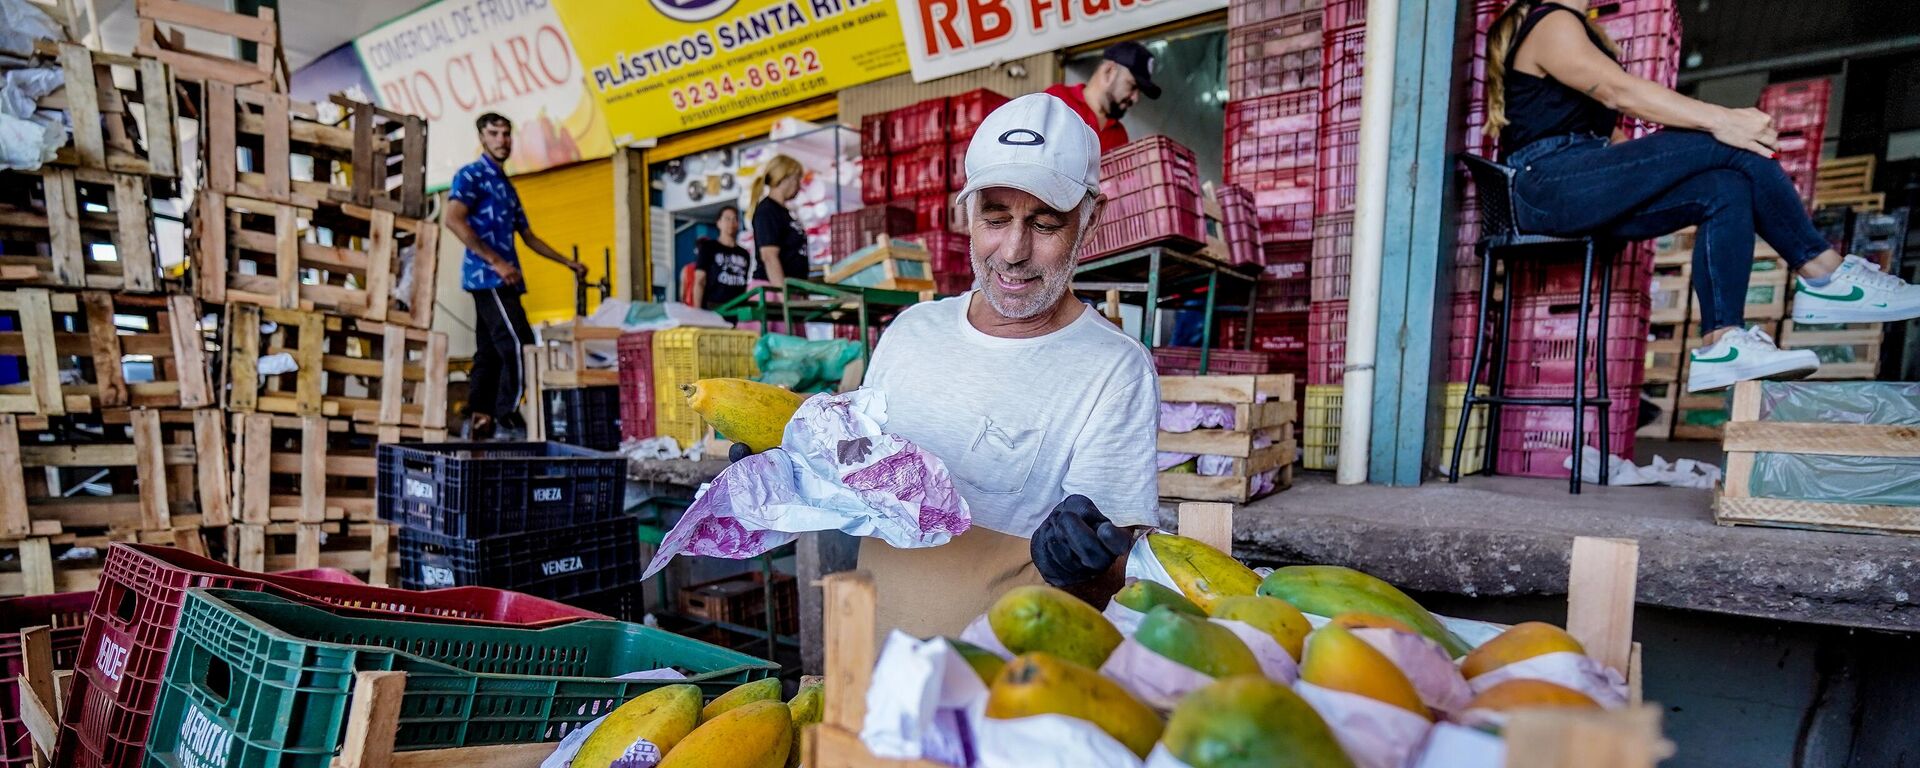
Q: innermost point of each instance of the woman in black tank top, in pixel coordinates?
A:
(1555, 95)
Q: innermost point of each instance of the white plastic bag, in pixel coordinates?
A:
(918, 713)
(1374, 734)
(1045, 741)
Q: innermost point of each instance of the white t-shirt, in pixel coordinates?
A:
(1024, 423)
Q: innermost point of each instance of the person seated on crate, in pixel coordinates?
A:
(1045, 414)
(483, 210)
(1555, 92)
(1124, 75)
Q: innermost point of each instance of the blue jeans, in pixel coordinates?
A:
(1636, 190)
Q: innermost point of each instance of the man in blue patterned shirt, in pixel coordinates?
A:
(483, 210)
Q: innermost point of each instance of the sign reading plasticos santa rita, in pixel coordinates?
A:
(947, 37)
(455, 60)
(660, 67)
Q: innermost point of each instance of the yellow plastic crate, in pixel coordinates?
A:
(1320, 427)
(1474, 457)
(683, 356)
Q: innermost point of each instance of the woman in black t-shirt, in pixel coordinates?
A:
(778, 239)
(721, 266)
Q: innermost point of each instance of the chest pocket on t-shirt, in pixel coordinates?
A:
(1000, 457)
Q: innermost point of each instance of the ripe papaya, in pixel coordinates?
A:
(744, 411)
(1041, 618)
(1339, 661)
(805, 707)
(1519, 643)
(1271, 615)
(1194, 642)
(745, 693)
(1204, 574)
(661, 717)
(1251, 722)
(1330, 590)
(1531, 694)
(1041, 683)
(754, 735)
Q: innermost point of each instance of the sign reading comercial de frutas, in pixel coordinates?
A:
(660, 67)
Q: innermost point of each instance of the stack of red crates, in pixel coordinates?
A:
(1152, 187)
(1274, 61)
(1799, 111)
(1337, 131)
(1535, 441)
(914, 157)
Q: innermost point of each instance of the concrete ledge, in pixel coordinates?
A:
(1494, 536)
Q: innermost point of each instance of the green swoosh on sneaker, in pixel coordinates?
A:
(1732, 352)
(1855, 294)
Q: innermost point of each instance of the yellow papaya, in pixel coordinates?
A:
(1339, 661)
(1531, 694)
(1204, 574)
(662, 717)
(754, 735)
(1519, 643)
(1271, 615)
(1041, 618)
(1251, 722)
(744, 411)
(1041, 683)
(1330, 590)
(805, 707)
(746, 693)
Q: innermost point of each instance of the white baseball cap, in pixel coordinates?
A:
(1035, 144)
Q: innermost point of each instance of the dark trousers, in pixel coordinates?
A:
(500, 330)
(1656, 185)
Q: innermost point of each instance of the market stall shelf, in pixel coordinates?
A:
(1764, 455)
(371, 373)
(120, 349)
(77, 228)
(1258, 441)
(98, 111)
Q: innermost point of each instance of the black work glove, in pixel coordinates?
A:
(1076, 543)
(737, 452)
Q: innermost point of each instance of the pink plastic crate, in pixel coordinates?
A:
(1332, 256)
(1341, 75)
(947, 251)
(1338, 169)
(1345, 14)
(1535, 441)
(1276, 56)
(920, 171)
(930, 211)
(918, 125)
(1632, 269)
(1460, 336)
(873, 135)
(1271, 146)
(876, 179)
(1282, 335)
(1153, 195)
(1798, 105)
(956, 166)
(968, 110)
(1326, 342)
(1285, 294)
(1540, 347)
(1241, 13)
(1238, 225)
(856, 229)
(636, 385)
(1179, 361)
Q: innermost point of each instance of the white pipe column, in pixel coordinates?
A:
(1369, 236)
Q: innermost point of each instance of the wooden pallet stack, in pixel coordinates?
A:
(1847, 182)
(306, 234)
(1255, 444)
(1766, 453)
(108, 425)
(560, 366)
(1671, 296)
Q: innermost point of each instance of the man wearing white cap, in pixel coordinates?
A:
(1044, 412)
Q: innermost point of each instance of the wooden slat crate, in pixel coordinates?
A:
(309, 469)
(125, 472)
(163, 35)
(339, 258)
(889, 264)
(125, 350)
(1666, 351)
(1666, 397)
(1841, 179)
(366, 372)
(1767, 293)
(559, 361)
(366, 549)
(1674, 250)
(1699, 416)
(1847, 352)
(77, 228)
(106, 135)
(1260, 404)
(1747, 435)
(1670, 294)
(348, 152)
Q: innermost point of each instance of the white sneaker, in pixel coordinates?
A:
(1744, 354)
(1858, 293)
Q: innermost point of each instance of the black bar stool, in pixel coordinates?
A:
(1500, 235)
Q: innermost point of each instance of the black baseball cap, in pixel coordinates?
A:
(1137, 60)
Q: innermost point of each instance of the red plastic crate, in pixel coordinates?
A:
(1536, 440)
(66, 614)
(876, 179)
(856, 229)
(1283, 335)
(931, 211)
(1153, 195)
(1799, 156)
(136, 610)
(968, 110)
(636, 385)
(957, 166)
(1338, 169)
(1286, 252)
(1342, 75)
(1632, 269)
(1345, 14)
(1285, 294)
(918, 125)
(1185, 361)
(1460, 336)
(953, 285)
(1238, 225)
(1544, 332)
(1276, 56)
(1241, 13)
(873, 135)
(1326, 342)
(920, 171)
(1270, 148)
(948, 252)
(1797, 105)
(1332, 256)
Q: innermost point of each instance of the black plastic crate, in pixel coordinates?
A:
(558, 564)
(474, 490)
(588, 417)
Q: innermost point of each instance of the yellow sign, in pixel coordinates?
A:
(660, 67)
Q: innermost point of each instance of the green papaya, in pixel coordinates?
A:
(1330, 590)
(1192, 641)
(1251, 722)
(1143, 595)
(1041, 618)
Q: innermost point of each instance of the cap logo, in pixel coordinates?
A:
(1021, 137)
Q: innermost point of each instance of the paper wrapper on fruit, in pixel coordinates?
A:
(1275, 662)
(1374, 734)
(919, 711)
(1044, 741)
(1155, 680)
(835, 469)
(1456, 746)
(1581, 672)
(1426, 665)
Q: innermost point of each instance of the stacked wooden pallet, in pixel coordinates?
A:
(1254, 444)
(1878, 432)
(562, 363)
(1847, 182)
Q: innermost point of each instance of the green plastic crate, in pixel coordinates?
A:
(257, 681)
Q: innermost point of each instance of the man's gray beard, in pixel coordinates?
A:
(1052, 287)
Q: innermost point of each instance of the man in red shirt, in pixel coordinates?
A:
(1124, 74)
